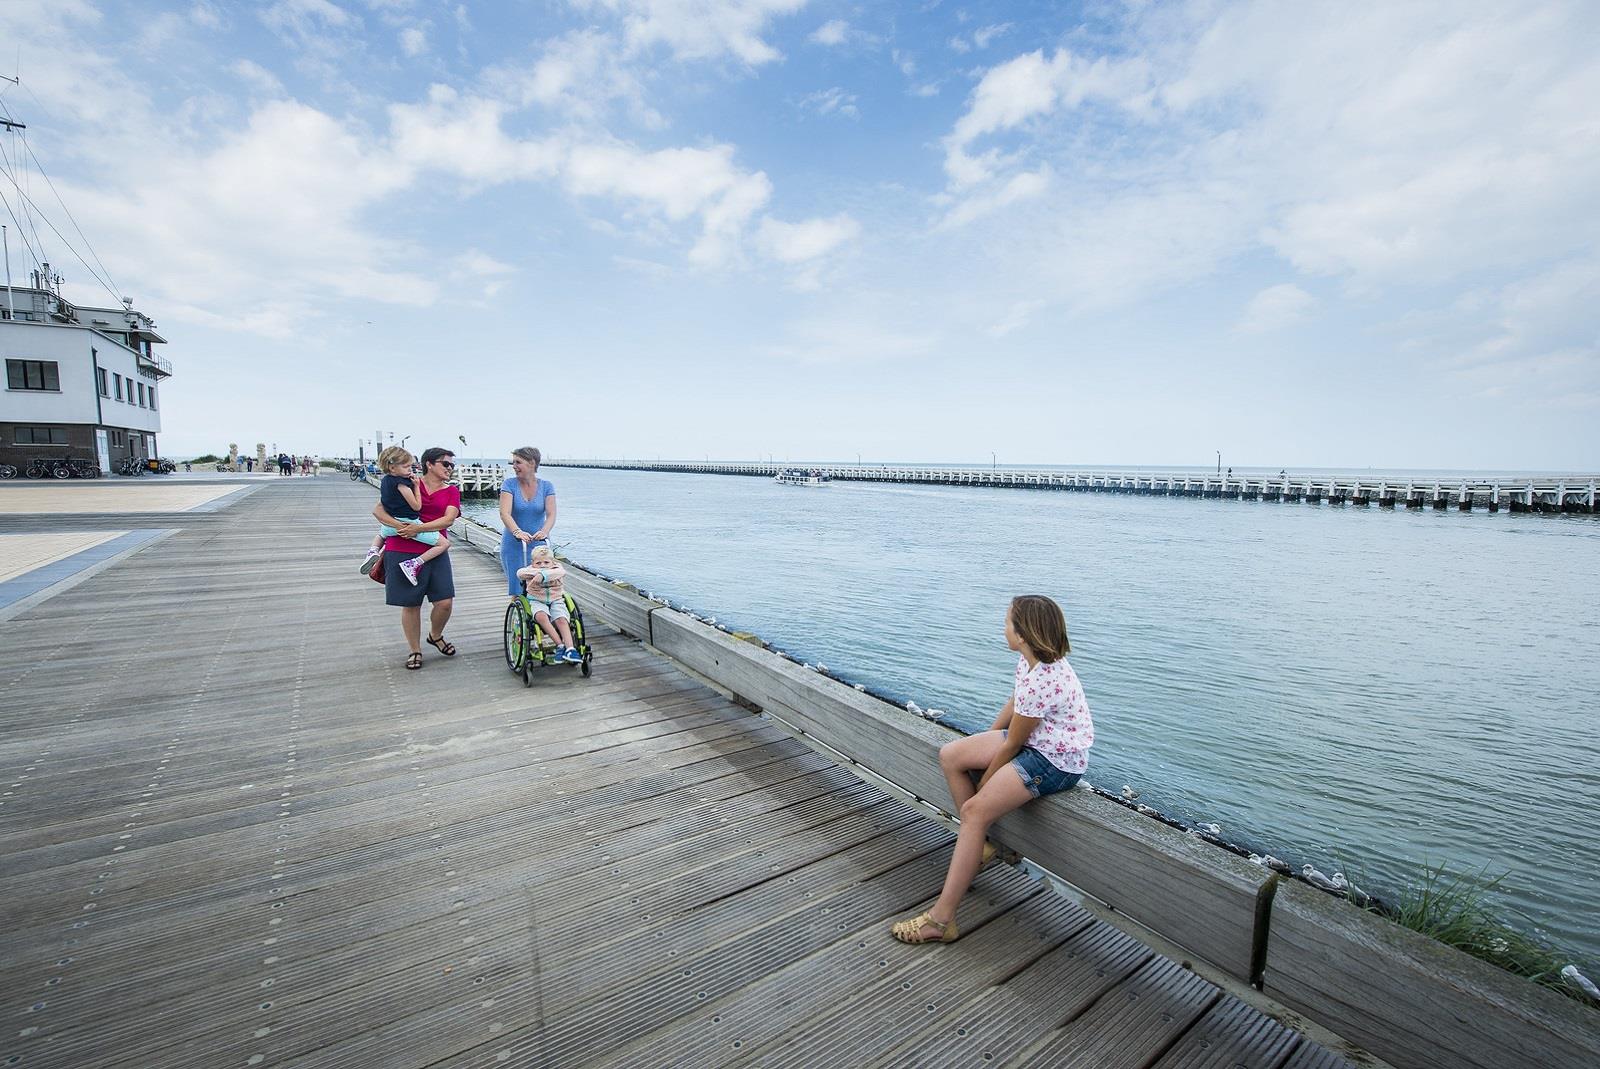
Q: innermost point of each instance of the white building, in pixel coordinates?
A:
(80, 381)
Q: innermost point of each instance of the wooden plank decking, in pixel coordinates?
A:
(236, 832)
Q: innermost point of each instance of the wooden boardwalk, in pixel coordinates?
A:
(236, 832)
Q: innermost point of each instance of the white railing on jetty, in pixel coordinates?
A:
(1555, 493)
(481, 480)
(475, 480)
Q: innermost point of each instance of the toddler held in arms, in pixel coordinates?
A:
(541, 578)
(401, 495)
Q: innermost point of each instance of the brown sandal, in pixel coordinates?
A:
(414, 661)
(911, 931)
(442, 646)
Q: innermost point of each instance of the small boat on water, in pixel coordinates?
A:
(802, 477)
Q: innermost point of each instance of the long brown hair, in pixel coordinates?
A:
(1039, 622)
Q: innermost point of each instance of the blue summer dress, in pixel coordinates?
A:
(529, 516)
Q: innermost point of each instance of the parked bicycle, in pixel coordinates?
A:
(8, 471)
(49, 468)
(84, 467)
(129, 466)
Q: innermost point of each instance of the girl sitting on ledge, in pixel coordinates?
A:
(1038, 745)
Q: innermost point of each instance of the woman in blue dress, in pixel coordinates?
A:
(527, 512)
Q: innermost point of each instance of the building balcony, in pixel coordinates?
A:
(159, 365)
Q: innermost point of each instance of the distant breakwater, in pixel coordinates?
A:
(1539, 494)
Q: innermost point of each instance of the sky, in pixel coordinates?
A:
(1313, 234)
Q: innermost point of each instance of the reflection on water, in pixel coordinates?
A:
(1360, 690)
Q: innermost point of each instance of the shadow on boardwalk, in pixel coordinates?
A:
(236, 831)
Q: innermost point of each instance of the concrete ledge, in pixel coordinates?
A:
(620, 606)
(1411, 1000)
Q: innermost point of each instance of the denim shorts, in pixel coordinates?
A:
(1039, 775)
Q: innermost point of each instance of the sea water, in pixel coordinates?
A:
(1364, 690)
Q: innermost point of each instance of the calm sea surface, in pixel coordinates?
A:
(1363, 690)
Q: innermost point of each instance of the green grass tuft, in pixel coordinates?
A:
(1451, 908)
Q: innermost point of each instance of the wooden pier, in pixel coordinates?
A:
(236, 832)
(1544, 494)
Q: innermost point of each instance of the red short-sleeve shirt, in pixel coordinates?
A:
(433, 506)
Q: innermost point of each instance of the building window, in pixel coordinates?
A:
(116, 439)
(105, 385)
(33, 375)
(118, 379)
(141, 395)
(152, 397)
(40, 436)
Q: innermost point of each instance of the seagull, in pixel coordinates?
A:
(913, 708)
(1206, 829)
(934, 714)
(1148, 811)
(861, 686)
(1581, 982)
(1335, 883)
(1129, 793)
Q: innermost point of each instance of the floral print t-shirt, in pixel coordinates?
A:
(1051, 694)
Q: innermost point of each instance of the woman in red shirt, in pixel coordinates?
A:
(441, 504)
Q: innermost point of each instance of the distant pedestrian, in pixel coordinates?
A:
(1038, 745)
(250, 464)
(283, 464)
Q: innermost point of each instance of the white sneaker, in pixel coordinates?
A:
(372, 558)
(410, 568)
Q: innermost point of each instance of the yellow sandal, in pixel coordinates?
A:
(911, 931)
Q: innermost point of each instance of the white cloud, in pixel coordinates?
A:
(479, 274)
(203, 13)
(1028, 87)
(257, 76)
(1274, 308)
(831, 101)
(305, 19)
(463, 136)
(1020, 187)
(264, 227)
(413, 41)
(793, 243)
(1392, 148)
(979, 39)
(833, 33)
(579, 75)
(701, 29)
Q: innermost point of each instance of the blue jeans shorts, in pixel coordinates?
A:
(1039, 775)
